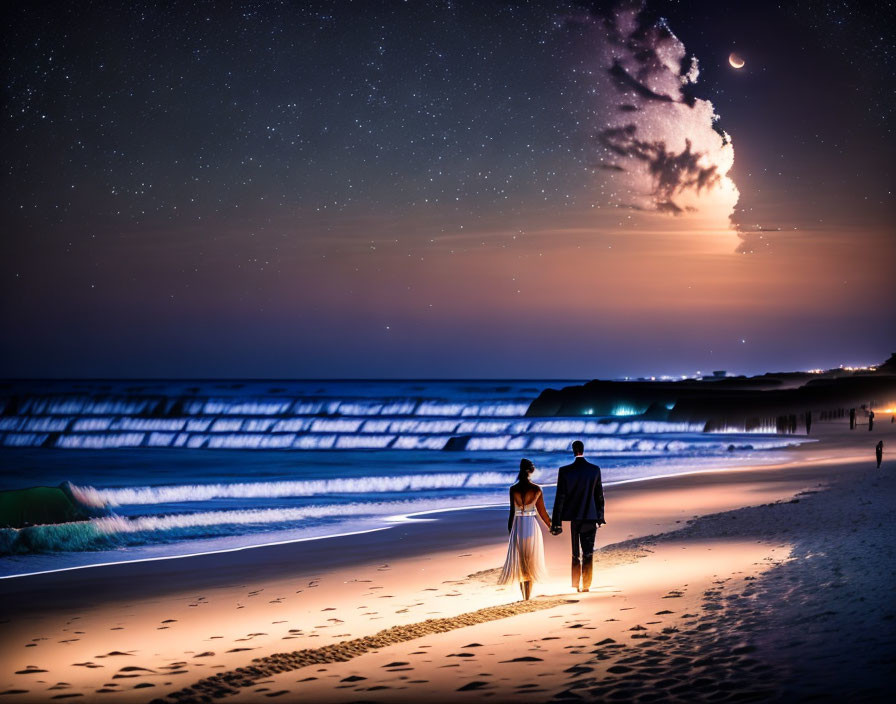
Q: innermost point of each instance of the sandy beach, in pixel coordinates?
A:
(761, 583)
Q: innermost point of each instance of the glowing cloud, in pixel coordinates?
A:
(660, 147)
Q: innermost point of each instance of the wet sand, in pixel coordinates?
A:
(761, 584)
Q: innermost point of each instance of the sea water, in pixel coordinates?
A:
(182, 467)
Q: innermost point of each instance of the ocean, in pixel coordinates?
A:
(172, 468)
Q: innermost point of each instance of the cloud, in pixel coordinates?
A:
(757, 240)
(625, 81)
(672, 173)
(660, 147)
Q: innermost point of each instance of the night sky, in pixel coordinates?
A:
(446, 189)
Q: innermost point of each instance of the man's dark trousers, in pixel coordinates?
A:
(583, 534)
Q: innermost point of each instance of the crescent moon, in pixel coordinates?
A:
(735, 61)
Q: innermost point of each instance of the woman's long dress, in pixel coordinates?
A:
(525, 550)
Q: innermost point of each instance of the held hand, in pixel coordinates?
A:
(556, 530)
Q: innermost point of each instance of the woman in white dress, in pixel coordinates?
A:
(525, 551)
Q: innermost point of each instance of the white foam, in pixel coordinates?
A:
(100, 442)
(181, 493)
(226, 425)
(24, 439)
(363, 442)
(420, 442)
(91, 425)
(120, 524)
(158, 424)
(214, 407)
(338, 425)
(765, 428)
(256, 441)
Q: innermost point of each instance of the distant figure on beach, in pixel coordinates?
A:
(870, 420)
(808, 422)
(879, 451)
(525, 551)
(579, 500)
(852, 418)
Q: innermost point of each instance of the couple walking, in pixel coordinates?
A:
(579, 500)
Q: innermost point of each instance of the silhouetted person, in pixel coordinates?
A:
(879, 451)
(808, 421)
(579, 500)
(793, 424)
(852, 418)
(870, 420)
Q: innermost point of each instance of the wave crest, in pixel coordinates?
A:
(133, 496)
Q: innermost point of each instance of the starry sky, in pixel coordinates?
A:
(466, 189)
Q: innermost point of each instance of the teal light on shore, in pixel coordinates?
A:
(623, 410)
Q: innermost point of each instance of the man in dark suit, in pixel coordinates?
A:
(579, 500)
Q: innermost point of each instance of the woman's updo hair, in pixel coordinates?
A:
(526, 468)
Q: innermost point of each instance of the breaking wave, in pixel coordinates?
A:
(133, 496)
(118, 531)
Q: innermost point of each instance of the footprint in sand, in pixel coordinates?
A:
(524, 658)
(30, 670)
(475, 684)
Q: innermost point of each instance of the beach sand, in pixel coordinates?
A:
(767, 583)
